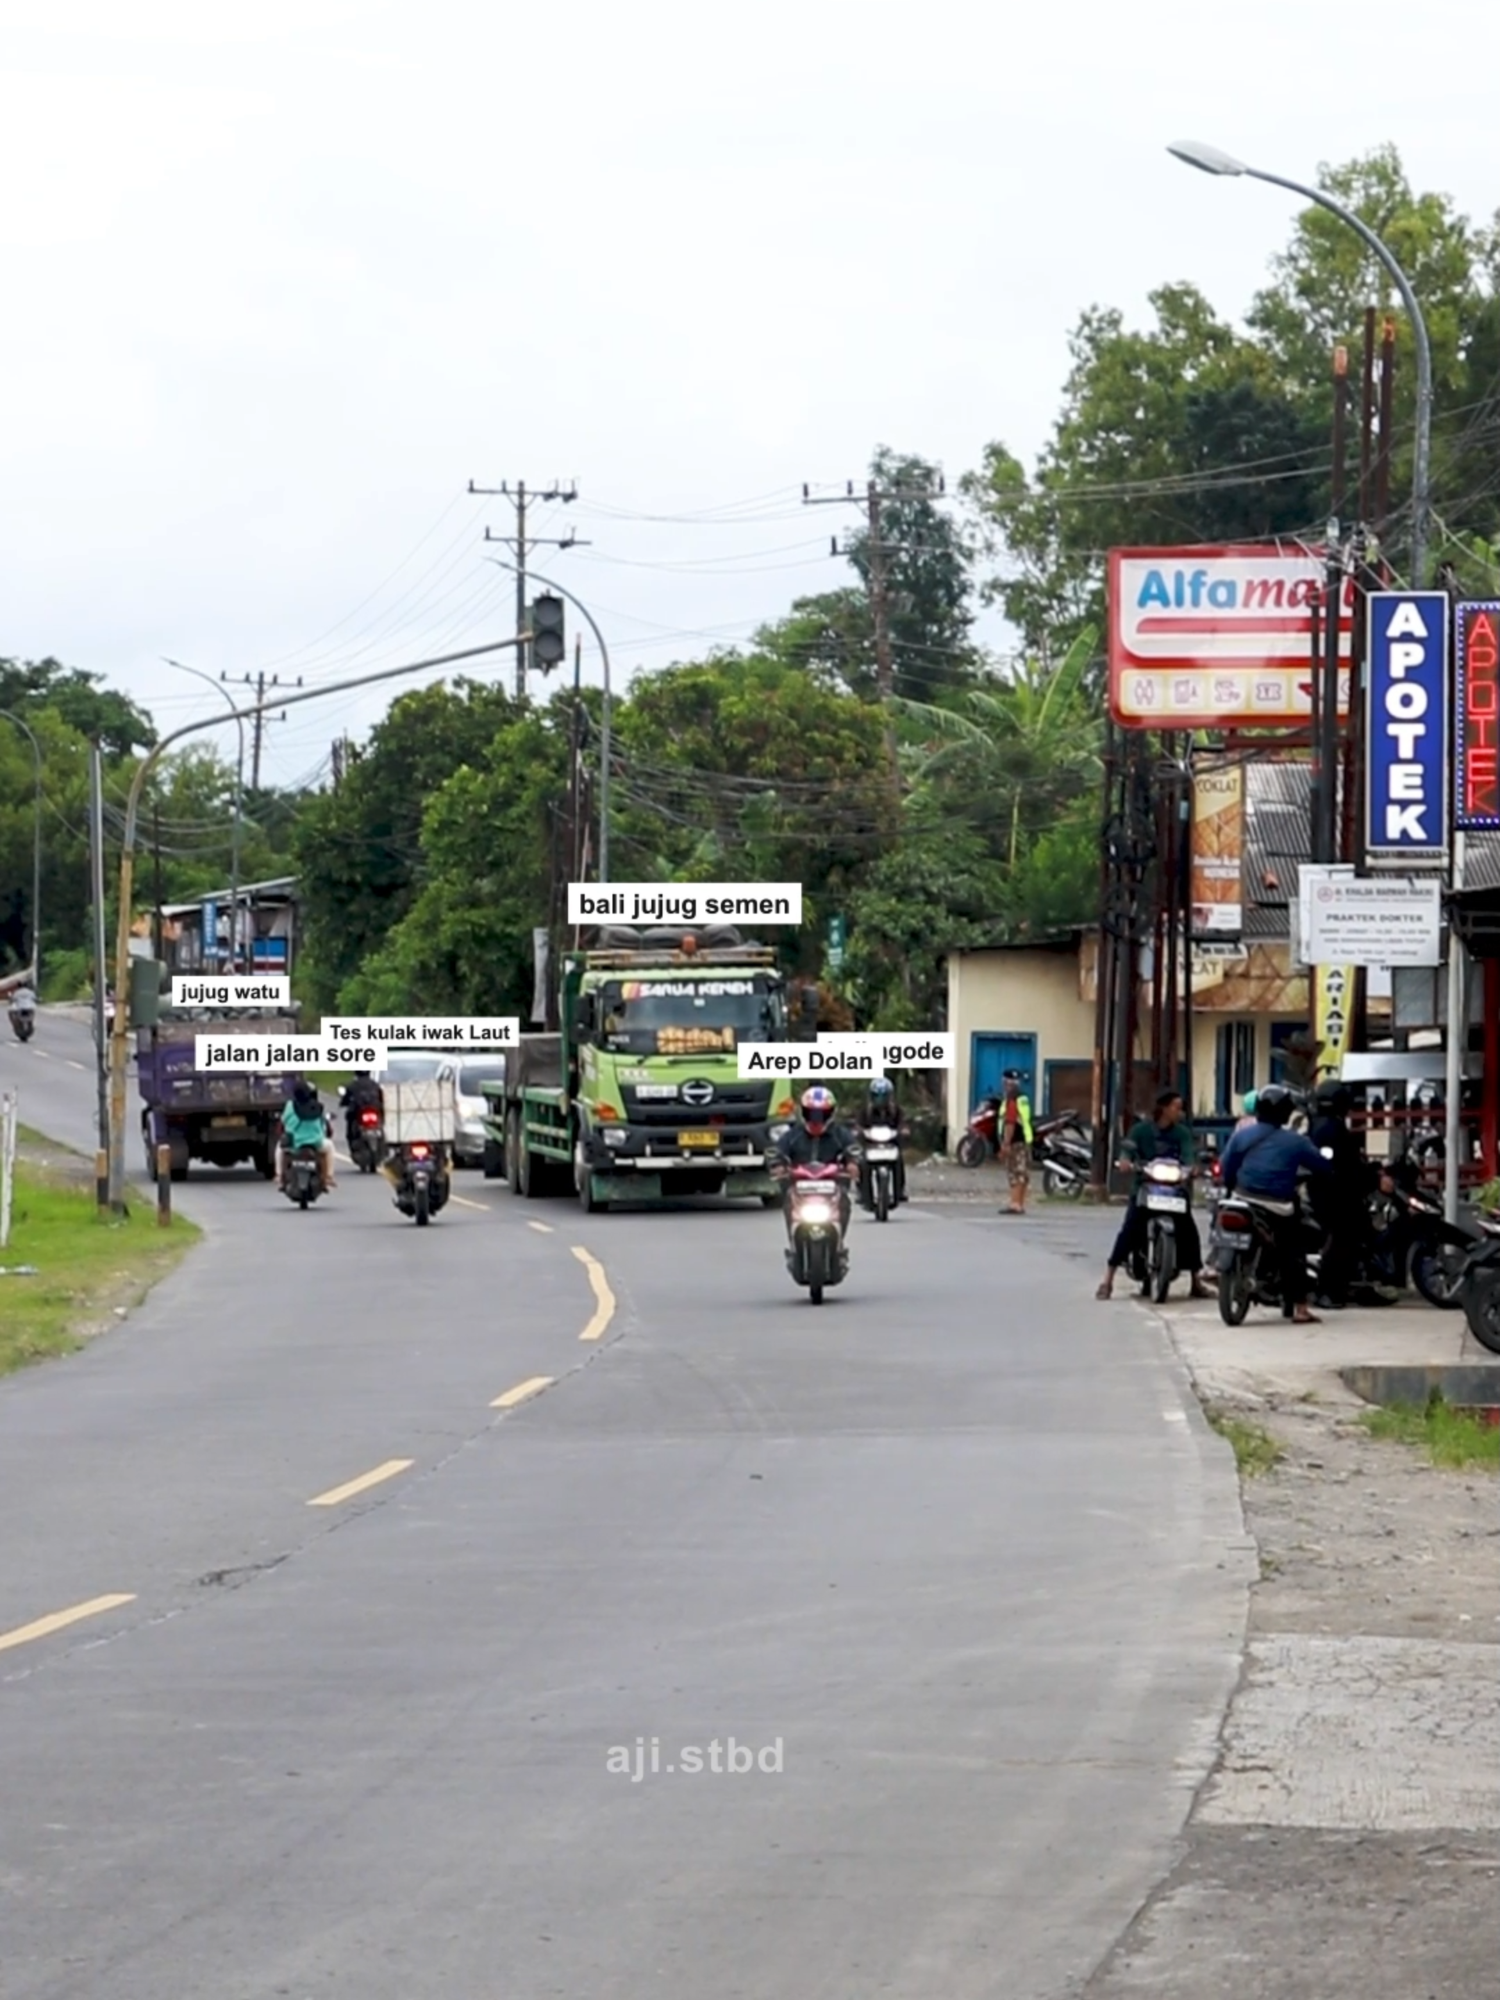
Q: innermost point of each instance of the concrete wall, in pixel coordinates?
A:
(1014, 992)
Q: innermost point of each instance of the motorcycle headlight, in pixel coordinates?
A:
(815, 1211)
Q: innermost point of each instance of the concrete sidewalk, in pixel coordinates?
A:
(1269, 1357)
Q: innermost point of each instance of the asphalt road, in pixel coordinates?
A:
(954, 1552)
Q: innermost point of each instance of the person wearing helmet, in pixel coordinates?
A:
(1247, 1111)
(1014, 1133)
(303, 1124)
(1265, 1164)
(880, 1108)
(1340, 1198)
(817, 1138)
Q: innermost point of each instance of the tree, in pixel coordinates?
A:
(358, 849)
(80, 699)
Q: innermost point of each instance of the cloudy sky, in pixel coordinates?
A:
(281, 279)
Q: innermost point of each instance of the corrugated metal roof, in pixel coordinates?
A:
(1278, 806)
(1481, 861)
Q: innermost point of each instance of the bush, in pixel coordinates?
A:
(68, 975)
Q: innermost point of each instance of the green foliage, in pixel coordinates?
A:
(80, 700)
(1453, 1439)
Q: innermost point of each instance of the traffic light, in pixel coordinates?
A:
(549, 642)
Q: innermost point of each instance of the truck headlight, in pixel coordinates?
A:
(615, 1138)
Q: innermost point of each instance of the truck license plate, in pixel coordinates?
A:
(697, 1139)
(1167, 1204)
(226, 1121)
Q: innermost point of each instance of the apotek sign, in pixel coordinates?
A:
(1218, 638)
(1406, 805)
(1476, 719)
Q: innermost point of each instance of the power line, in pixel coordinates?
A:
(520, 542)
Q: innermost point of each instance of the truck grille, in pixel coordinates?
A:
(731, 1104)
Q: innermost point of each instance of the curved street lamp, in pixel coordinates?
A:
(36, 849)
(1209, 160)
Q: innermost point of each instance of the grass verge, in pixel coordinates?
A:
(85, 1267)
(1453, 1439)
(1256, 1452)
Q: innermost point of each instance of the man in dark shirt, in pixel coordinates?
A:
(1166, 1136)
(1339, 1198)
(817, 1138)
(1264, 1163)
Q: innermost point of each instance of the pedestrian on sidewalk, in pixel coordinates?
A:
(1013, 1135)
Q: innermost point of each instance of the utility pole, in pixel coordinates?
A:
(878, 552)
(260, 683)
(520, 496)
(96, 879)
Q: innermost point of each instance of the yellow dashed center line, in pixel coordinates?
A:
(523, 1391)
(604, 1298)
(363, 1484)
(58, 1621)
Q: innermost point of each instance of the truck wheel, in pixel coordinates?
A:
(180, 1156)
(513, 1152)
(528, 1173)
(492, 1161)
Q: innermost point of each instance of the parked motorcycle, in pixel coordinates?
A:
(1063, 1148)
(882, 1155)
(304, 1176)
(1164, 1196)
(1414, 1242)
(1479, 1288)
(817, 1255)
(365, 1131)
(978, 1142)
(419, 1173)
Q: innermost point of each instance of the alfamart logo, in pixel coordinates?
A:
(1202, 589)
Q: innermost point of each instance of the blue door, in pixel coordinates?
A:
(991, 1055)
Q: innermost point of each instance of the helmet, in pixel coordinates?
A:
(1273, 1105)
(818, 1108)
(882, 1087)
(1249, 1104)
(1013, 1076)
(1332, 1097)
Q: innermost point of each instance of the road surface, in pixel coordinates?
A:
(953, 1558)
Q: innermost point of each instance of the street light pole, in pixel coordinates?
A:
(1209, 160)
(605, 709)
(36, 851)
(239, 796)
(117, 1044)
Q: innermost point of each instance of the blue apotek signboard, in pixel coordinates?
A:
(1406, 726)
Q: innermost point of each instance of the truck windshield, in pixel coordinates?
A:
(686, 1017)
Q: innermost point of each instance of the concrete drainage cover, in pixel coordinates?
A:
(1364, 1734)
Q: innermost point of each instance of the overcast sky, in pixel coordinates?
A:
(280, 279)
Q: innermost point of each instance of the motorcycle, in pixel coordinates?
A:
(1418, 1243)
(1164, 1195)
(882, 1155)
(418, 1171)
(1244, 1257)
(23, 1021)
(365, 1131)
(816, 1255)
(1064, 1150)
(979, 1140)
(304, 1175)
(1479, 1291)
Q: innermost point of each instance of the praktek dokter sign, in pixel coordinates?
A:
(1406, 803)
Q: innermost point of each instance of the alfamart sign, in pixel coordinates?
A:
(1218, 638)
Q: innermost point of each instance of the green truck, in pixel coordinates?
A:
(638, 1097)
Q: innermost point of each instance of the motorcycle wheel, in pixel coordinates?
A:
(1059, 1186)
(1481, 1303)
(971, 1150)
(1437, 1271)
(1163, 1263)
(1235, 1287)
(882, 1196)
(303, 1197)
(422, 1205)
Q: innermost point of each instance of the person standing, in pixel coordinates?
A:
(1339, 1199)
(1013, 1135)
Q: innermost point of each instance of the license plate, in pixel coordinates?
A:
(698, 1139)
(878, 1155)
(1167, 1204)
(226, 1121)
